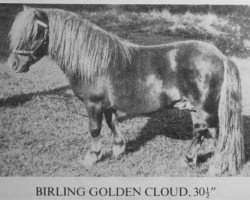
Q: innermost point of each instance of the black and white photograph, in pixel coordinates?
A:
(124, 90)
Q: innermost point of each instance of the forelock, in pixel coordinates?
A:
(24, 28)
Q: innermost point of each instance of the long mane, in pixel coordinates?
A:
(82, 48)
(78, 46)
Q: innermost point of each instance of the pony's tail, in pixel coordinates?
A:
(229, 155)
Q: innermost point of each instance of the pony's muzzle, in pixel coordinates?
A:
(13, 63)
(17, 66)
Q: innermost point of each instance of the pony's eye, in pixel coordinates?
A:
(38, 35)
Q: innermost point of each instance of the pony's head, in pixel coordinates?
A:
(28, 39)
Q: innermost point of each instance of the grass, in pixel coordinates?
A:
(44, 132)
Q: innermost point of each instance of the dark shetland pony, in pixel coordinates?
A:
(108, 74)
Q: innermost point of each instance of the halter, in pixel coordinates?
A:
(32, 53)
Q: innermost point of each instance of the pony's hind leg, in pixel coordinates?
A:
(95, 113)
(119, 141)
(202, 128)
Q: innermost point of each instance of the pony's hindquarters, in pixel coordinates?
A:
(229, 155)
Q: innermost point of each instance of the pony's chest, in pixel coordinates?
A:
(93, 91)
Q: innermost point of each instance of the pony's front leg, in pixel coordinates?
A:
(95, 113)
(119, 141)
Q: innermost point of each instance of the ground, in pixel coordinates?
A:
(44, 128)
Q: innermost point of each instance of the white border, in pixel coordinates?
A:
(233, 188)
(227, 188)
(198, 2)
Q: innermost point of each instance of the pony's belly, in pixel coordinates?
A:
(148, 96)
(138, 106)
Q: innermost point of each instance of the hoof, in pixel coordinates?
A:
(118, 147)
(191, 160)
(118, 150)
(91, 158)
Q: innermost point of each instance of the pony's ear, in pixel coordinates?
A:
(25, 7)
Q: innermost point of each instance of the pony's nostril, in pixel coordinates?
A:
(14, 65)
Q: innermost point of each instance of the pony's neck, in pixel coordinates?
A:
(80, 47)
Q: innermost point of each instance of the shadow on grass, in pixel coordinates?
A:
(177, 125)
(171, 123)
(202, 158)
(20, 99)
